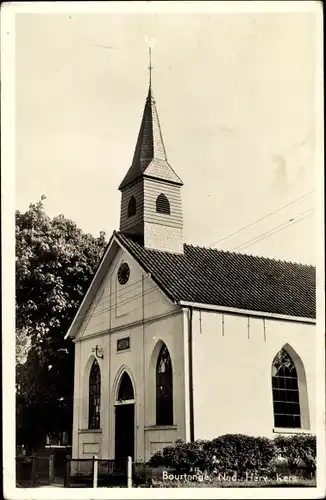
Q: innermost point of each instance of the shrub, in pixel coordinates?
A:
(226, 454)
(241, 454)
(297, 449)
(183, 457)
(238, 453)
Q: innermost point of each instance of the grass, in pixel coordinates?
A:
(300, 483)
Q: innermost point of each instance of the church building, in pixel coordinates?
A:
(174, 341)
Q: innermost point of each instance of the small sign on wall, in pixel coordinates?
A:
(91, 448)
(123, 344)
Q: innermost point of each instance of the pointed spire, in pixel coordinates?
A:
(150, 158)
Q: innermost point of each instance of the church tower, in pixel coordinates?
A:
(151, 209)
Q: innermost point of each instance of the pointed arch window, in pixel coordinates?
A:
(126, 390)
(164, 388)
(94, 396)
(286, 400)
(162, 204)
(132, 206)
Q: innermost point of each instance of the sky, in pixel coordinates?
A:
(235, 94)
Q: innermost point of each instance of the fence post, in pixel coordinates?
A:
(95, 469)
(34, 465)
(51, 468)
(67, 471)
(129, 472)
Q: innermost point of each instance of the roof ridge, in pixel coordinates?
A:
(272, 259)
(227, 252)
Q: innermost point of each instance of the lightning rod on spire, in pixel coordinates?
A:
(150, 67)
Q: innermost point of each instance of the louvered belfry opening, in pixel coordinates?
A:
(132, 206)
(162, 204)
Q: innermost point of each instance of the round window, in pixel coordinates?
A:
(123, 273)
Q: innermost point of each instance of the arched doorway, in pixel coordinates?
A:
(124, 422)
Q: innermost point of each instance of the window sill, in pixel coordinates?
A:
(160, 428)
(89, 431)
(285, 430)
(57, 446)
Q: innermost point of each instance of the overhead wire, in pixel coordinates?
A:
(274, 230)
(262, 218)
(120, 303)
(125, 287)
(245, 244)
(131, 310)
(108, 297)
(111, 307)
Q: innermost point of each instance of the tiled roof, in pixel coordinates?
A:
(150, 157)
(229, 279)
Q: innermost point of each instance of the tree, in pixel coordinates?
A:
(55, 262)
(22, 345)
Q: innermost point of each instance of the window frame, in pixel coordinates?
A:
(94, 396)
(164, 402)
(286, 392)
(125, 389)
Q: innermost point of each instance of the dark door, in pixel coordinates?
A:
(124, 434)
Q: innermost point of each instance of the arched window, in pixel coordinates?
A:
(162, 204)
(164, 388)
(94, 396)
(126, 391)
(132, 206)
(285, 392)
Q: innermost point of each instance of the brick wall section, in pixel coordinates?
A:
(167, 239)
